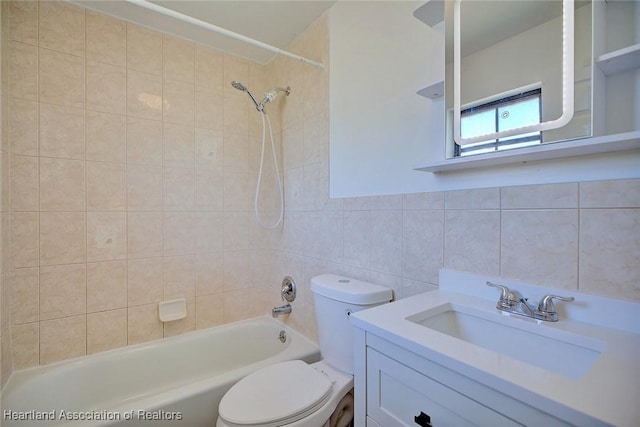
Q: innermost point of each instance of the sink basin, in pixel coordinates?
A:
(560, 352)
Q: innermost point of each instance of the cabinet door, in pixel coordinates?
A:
(396, 394)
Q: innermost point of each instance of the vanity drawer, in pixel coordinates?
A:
(396, 394)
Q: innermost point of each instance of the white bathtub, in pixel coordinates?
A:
(176, 381)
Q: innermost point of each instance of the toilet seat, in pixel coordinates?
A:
(275, 395)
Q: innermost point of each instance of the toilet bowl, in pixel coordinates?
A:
(296, 394)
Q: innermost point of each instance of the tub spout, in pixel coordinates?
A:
(284, 309)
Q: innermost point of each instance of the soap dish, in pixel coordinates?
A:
(172, 310)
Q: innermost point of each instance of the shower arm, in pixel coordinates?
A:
(271, 95)
(286, 90)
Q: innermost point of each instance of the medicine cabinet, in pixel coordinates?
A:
(513, 60)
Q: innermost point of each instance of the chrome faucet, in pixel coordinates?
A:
(511, 301)
(283, 309)
(288, 294)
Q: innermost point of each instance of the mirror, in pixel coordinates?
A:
(518, 73)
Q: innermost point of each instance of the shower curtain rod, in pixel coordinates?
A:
(223, 31)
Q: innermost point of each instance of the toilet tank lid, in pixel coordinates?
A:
(349, 290)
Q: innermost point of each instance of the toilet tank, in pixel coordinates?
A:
(335, 298)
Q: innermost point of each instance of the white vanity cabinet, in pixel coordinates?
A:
(400, 385)
(449, 357)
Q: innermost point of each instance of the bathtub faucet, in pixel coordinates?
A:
(284, 309)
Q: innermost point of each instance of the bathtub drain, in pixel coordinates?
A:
(282, 336)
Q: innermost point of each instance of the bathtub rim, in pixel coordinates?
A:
(33, 371)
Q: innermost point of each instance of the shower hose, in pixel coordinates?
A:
(259, 180)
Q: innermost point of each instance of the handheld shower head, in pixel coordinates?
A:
(236, 84)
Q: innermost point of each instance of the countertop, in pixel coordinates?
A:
(608, 392)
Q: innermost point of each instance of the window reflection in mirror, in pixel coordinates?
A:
(509, 49)
(511, 112)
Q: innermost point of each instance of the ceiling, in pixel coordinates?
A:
(276, 23)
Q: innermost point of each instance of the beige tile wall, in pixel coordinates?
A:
(130, 183)
(6, 362)
(154, 199)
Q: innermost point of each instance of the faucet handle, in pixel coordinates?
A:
(508, 297)
(288, 289)
(504, 291)
(546, 304)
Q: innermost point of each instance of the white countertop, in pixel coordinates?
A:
(609, 391)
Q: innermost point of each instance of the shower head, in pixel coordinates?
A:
(269, 96)
(236, 84)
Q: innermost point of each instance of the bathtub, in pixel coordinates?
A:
(176, 381)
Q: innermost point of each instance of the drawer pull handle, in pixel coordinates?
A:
(423, 420)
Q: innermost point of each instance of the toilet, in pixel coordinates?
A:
(297, 394)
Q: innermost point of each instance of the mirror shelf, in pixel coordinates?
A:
(433, 91)
(574, 148)
(620, 60)
(431, 13)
